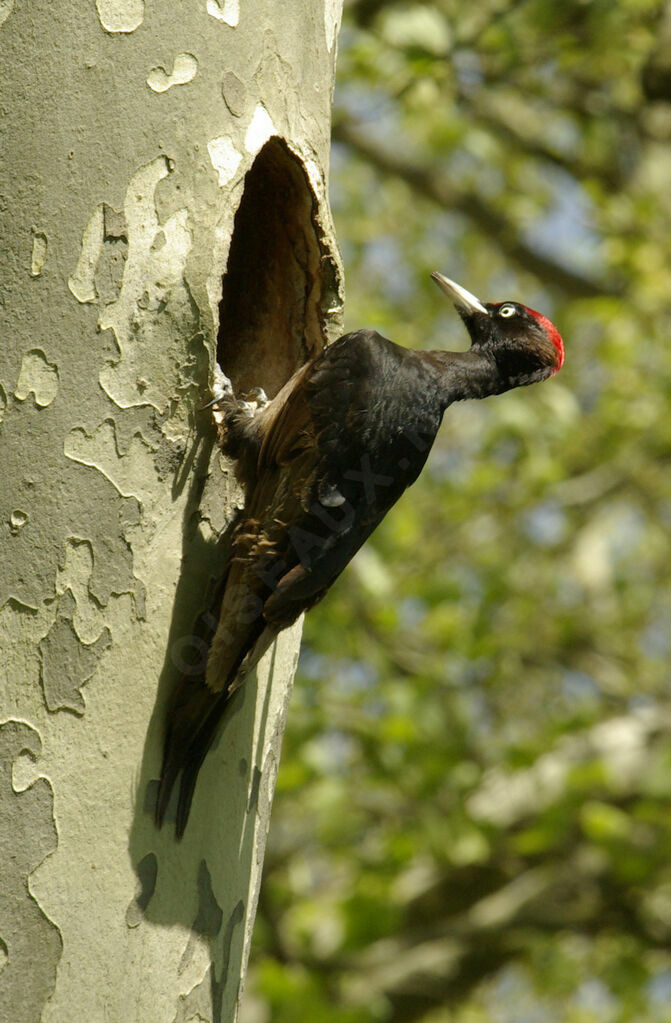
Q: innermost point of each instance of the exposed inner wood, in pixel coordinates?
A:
(270, 315)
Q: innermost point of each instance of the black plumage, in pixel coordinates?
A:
(322, 464)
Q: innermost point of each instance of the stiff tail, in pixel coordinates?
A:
(192, 723)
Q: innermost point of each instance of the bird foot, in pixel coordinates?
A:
(222, 392)
(221, 389)
(256, 399)
(223, 397)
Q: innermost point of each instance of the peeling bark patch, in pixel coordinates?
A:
(83, 505)
(27, 837)
(136, 422)
(17, 521)
(73, 582)
(111, 261)
(112, 560)
(260, 129)
(225, 158)
(196, 1006)
(227, 11)
(332, 13)
(102, 259)
(82, 281)
(221, 495)
(234, 91)
(133, 266)
(100, 451)
(37, 376)
(204, 1001)
(270, 316)
(39, 253)
(66, 663)
(184, 70)
(154, 304)
(120, 15)
(147, 872)
(267, 788)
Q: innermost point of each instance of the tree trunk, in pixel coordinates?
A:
(148, 152)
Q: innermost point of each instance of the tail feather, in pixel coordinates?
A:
(192, 722)
(194, 758)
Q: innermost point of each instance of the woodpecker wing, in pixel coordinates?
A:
(335, 453)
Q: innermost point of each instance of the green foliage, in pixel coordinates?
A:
(472, 819)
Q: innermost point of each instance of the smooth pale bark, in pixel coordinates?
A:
(128, 134)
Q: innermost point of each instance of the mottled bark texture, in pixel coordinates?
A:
(148, 152)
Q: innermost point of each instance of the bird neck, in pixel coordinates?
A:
(462, 375)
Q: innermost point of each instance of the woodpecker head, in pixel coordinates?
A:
(526, 346)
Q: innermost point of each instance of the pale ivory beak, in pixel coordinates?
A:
(462, 299)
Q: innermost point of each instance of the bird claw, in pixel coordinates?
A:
(222, 392)
(256, 398)
(222, 388)
(218, 398)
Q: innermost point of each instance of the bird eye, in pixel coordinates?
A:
(507, 310)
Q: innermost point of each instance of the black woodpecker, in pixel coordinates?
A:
(322, 464)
